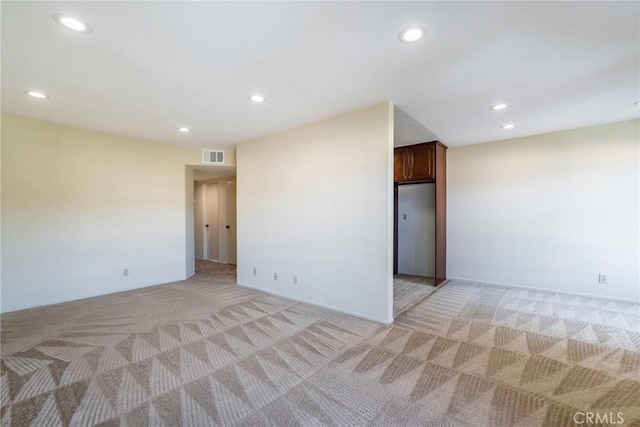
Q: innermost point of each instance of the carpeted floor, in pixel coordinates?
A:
(205, 352)
(410, 290)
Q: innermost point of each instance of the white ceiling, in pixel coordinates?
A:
(149, 67)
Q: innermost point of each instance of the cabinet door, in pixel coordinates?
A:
(399, 164)
(421, 162)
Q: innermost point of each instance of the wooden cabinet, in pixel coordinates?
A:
(399, 164)
(414, 163)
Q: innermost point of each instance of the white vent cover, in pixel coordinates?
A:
(212, 156)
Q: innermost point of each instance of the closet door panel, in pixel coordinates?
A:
(422, 160)
(399, 164)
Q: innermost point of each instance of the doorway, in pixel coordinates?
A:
(215, 220)
(416, 232)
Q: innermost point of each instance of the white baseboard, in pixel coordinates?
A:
(484, 282)
(317, 304)
(80, 297)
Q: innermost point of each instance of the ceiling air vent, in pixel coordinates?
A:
(212, 157)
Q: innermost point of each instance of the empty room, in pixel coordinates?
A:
(320, 214)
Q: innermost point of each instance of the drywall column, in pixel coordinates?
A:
(315, 207)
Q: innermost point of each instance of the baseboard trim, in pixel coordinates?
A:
(510, 285)
(80, 298)
(318, 304)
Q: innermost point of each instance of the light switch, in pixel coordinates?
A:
(404, 216)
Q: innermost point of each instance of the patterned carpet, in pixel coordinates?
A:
(410, 290)
(205, 352)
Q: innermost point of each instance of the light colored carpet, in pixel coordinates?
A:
(205, 352)
(410, 290)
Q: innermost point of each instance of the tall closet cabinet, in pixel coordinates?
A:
(424, 163)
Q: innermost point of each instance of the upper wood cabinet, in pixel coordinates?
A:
(414, 163)
(399, 164)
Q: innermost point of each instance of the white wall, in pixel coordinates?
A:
(548, 211)
(409, 131)
(417, 229)
(316, 202)
(78, 207)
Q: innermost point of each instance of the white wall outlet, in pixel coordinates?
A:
(295, 280)
(255, 271)
(602, 278)
(275, 276)
(125, 272)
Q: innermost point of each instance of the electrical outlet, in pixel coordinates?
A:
(255, 271)
(602, 278)
(275, 276)
(295, 280)
(125, 272)
(404, 216)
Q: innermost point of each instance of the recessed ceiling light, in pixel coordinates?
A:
(636, 103)
(508, 126)
(71, 23)
(184, 129)
(256, 98)
(499, 107)
(36, 94)
(412, 35)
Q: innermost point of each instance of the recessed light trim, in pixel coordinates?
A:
(498, 107)
(412, 34)
(184, 129)
(36, 94)
(508, 126)
(71, 23)
(256, 98)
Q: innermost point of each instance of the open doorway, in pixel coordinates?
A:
(416, 230)
(416, 245)
(213, 190)
(215, 220)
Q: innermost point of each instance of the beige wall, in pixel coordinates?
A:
(548, 211)
(316, 202)
(78, 207)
